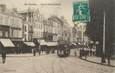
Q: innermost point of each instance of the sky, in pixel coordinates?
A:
(60, 7)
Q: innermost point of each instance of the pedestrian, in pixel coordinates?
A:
(75, 53)
(86, 52)
(39, 50)
(34, 51)
(81, 52)
(93, 51)
(3, 54)
(90, 52)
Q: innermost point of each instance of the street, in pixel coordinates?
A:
(51, 63)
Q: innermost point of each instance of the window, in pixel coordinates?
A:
(17, 23)
(25, 28)
(31, 29)
(41, 34)
(6, 34)
(40, 25)
(15, 33)
(6, 20)
(19, 33)
(12, 21)
(12, 33)
(38, 34)
(1, 34)
(34, 25)
(1, 19)
(25, 37)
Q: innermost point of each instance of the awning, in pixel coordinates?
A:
(61, 42)
(42, 42)
(30, 44)
(52, 43)
(7, 43)
(73, 43)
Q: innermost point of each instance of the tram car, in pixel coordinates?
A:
(63, 49)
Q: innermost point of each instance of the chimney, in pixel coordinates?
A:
(2, 7)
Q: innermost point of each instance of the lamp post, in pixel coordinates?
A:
(96, 43)
(91, 42)
(103, 50)
(82, 25)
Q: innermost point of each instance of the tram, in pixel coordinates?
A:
(63, 49)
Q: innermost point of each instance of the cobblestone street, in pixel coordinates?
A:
(26, 63)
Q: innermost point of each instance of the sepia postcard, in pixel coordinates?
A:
(57, 36)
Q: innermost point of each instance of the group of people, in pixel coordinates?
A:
(87, 52)
(34, 50)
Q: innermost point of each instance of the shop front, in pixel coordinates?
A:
(28, 46)
(7, 44)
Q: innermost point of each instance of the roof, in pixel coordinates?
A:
(55, 18)
(10, 12)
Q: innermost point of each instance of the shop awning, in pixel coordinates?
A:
(7, 43)
(73, 43)
(30, 44)
(42, 42)
(52, 43)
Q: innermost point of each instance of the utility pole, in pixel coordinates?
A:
(82, 35)
(103, 54)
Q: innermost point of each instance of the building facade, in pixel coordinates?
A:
(48, 31)
(38, 25)
(66, 34)
(10, 28)
(57, 27)
(100, 10)
(34, 23)
(54, 28)
(10, 24)
(27, 31)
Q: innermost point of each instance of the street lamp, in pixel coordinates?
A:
(96, 43)
(82, 25)
(91, 42)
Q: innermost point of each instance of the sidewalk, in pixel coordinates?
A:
(94, 59)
